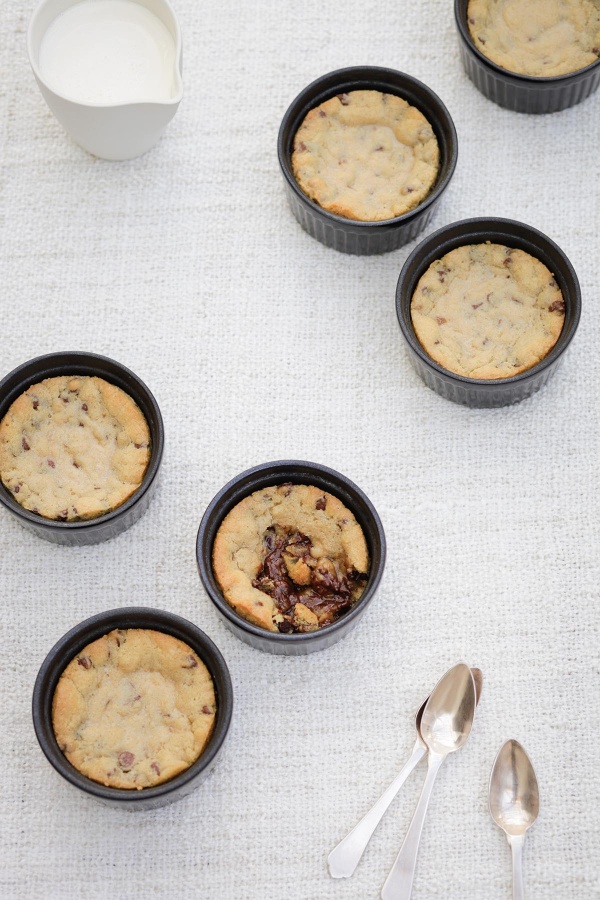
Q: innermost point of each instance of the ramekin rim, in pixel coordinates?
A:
(150, 474)
(490, 383)
(219, 601)
(550, 80)
(52, 660)
(435, 193)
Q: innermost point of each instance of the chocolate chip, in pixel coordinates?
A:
(191, 663)
(379, 149)
(84, 661)
(285, 626)
(321, 502)
(344, 99)
(84, 407)
(301, 146)
(16, 489)
(155, 767)
(126, 760)
(557, 306)
(322, 114)
(206, 710)
(138, 446)
(441, 320)
(75, 464)
(24, 444)
(477, 305)
(35, 404)
(436, 342)
(471, 20)
(507, 261)
(51, 463)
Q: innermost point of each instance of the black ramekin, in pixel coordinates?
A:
(71, 644)
(479, 392)
(91, 531)
(297, 472)
(521, 93)
(347, 235)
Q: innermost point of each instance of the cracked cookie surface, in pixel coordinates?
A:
(540, 38)
(291, 558)
(134, 708)
(487, 311)
(366, 155)
(73, 447)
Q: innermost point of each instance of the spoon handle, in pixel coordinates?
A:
(398, 885)
(516, 845)
(344, 858)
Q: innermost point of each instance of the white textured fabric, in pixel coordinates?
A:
(259, 343)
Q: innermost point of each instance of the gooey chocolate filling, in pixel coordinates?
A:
(291, 575)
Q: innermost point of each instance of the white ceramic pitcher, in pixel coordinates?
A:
(116, 131)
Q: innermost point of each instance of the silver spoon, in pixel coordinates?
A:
(345, 857)
(514, 803)
(445, 728)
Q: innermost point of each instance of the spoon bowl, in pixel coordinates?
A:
(477, 681)
(514, 796)
(448, 714)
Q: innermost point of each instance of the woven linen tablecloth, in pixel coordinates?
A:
(259, 343)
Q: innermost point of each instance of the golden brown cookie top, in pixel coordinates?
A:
(291, 557)
(540, 38)
(73, 447)
(366, 155)
(487, 311)
(134, 708)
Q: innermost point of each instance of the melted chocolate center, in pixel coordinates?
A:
(324, 590)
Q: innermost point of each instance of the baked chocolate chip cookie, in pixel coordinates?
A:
(366, 155)
(540, 38)
(291, 558)
(134, 708)
(487, 311)
(73, 447)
